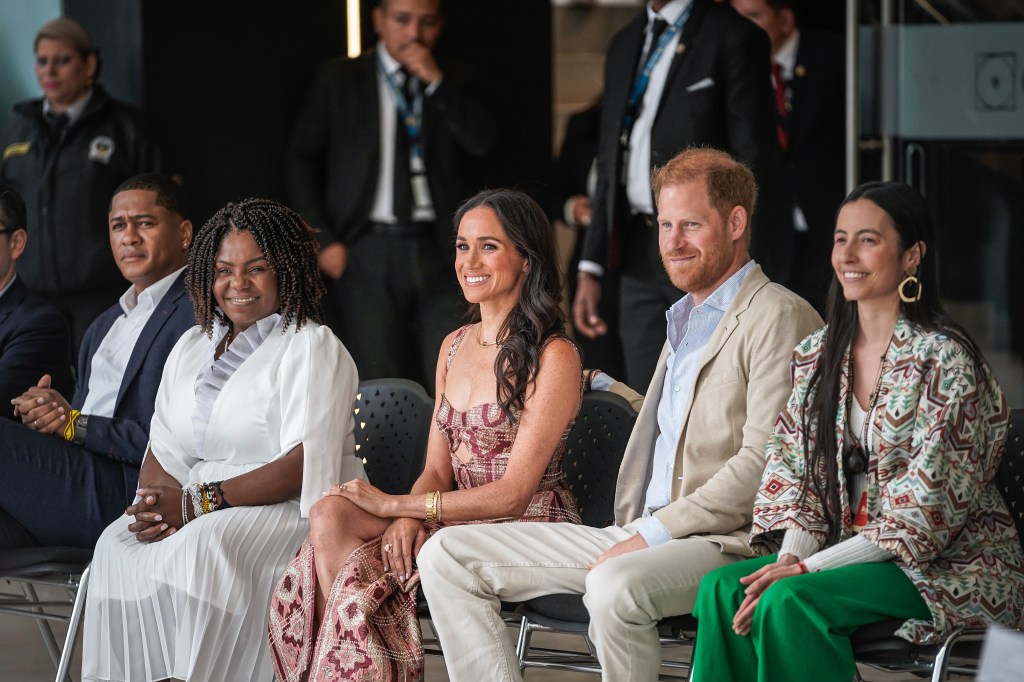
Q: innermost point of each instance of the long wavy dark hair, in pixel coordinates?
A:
(537, 313)
(908, 212)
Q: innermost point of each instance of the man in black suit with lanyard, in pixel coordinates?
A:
(378, 163)
(809, 77)
(684, 73)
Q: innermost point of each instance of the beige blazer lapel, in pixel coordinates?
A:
(730, 321)
(635, 470)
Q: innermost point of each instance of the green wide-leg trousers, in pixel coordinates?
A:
(802, 624)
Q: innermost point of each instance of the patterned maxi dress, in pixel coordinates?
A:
(370, 630)
(940, 432)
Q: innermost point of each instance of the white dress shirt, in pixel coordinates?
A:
(383, 210)
(111, 357)
(638, 171)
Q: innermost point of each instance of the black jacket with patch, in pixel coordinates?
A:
(67, 181)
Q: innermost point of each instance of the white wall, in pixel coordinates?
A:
(19, 21)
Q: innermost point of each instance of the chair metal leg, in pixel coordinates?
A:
(44, 628)
(73, 623)
(522, 642)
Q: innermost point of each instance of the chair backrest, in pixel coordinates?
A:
(392, 422)
(596, 444)
(1010, 475)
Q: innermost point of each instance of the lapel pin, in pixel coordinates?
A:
(800, 71)
(680, 48)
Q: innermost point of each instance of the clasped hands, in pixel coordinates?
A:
(401, 541)
(41, 408)
(157, 513)
(757, 582)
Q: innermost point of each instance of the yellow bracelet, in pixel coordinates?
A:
(69, 428)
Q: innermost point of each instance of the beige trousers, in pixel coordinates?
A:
(466, 571)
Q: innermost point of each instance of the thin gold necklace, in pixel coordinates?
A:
(481, 342)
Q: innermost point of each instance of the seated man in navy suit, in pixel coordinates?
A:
(34, 337)
(84, 456)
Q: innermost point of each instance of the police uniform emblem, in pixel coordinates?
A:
(101, 149)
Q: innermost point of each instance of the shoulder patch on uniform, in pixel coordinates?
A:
(16, 149)
(101, 149)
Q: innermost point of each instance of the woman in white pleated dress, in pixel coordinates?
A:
(253, 422)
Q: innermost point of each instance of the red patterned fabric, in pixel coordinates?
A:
(370, 631)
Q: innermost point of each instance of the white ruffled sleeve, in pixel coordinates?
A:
(175, 460)
(318, 384)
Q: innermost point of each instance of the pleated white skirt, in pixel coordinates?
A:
(193, 606)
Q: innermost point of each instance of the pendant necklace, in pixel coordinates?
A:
(855, 459)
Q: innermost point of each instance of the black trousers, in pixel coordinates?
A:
(61, 494)
(645, 294)
(394, 305)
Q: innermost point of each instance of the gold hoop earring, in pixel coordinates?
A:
(911, 278)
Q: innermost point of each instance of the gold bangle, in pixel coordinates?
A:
(69, 428)
(431, 506)
(439, 499)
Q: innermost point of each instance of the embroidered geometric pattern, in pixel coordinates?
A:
(939, 435)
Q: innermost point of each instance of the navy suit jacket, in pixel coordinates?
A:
(34, 340)
(123, 437)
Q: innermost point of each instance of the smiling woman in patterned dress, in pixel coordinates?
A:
(508, 390)
(877, 493)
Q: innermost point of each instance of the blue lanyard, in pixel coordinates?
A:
(410, 112)
(644, 78)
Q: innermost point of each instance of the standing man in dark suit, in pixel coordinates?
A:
(378, 162)
(684, 73)
(34, 337)
(86, 454)
(808, 76)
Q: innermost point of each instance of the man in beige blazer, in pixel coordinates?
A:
(691, 468)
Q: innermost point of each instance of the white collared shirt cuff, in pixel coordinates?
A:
(590, 267)
(652, 530)
(602, 382)
(567, 212)
(432, 88)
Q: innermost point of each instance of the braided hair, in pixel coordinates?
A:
(287, 243)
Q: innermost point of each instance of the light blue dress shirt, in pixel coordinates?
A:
(690, 327)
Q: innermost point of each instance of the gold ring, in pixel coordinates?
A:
(388, 547)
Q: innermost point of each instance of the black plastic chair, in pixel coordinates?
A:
(66, 568)
(392, 422)
(876, 645)
(596, 445)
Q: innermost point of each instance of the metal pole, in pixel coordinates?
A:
(852, 91)
(888, 141)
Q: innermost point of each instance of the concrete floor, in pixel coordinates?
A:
(23, 657)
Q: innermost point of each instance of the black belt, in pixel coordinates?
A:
(401, 229)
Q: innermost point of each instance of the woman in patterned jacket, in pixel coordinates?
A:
(877, 493)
